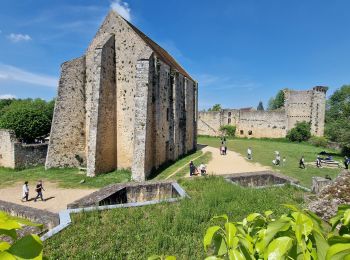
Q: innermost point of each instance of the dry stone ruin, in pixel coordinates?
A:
(309, 106)
(126, 103)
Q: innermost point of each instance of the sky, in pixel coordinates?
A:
(240, 51)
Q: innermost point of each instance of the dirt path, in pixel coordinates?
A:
(230, 163)
(56, 198)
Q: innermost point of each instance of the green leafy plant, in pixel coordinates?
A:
(228, 130)
(340, 241)
(301, 132)
(156, 257)
(297, 235)
(27, 247)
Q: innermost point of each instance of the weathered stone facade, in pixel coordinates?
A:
(125, 104)
(309, 106)
(15, 155)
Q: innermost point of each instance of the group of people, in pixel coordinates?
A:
(38, 188)
(201, 169)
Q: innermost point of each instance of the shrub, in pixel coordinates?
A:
(228, 130)
(301, 132)
(298, 235)
(318, 141)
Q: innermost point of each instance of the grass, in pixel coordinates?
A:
(69, 177)
(263, 153)
(181, 166)
(169, 229)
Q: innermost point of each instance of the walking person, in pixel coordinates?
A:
(346, 162)
(39, 190)
(302, 163)
(192, 168)
(249, 153)
(278, 159)
(25, 189)
(225, 150)
(318, 161)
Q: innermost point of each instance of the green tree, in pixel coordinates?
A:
(228, 130)
(277, 101)
(301, 132)
(260, 106)
(216, 108)
(337, 127)
(4, 103)
(29, 118)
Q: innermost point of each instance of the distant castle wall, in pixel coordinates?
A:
(14, 154)
(299, 106)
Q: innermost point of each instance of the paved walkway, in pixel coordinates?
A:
(230, 163)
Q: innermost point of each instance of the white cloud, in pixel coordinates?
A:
(12, 73)
(122, 8)
(7, 96)
(19, 37)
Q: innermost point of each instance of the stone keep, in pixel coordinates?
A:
(125, 104)
(304, 105)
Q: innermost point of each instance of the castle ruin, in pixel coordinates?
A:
(309, 106)
(126, 103)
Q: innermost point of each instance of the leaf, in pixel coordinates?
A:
(11, 233)
(273, 228)
(9, 224)
(6, 256)
(292, 207)
(321, 244)
(252, 216)
(346, 220)
(154, 257)
(4, 246)
(338, 240)
(335, 221)
(234, 254)
(268, 213)
(213, 258)
(170, 258)
(338, 252)
(230, 233)
(279, 247)
(220, 247)
(28, 247)
(221, 217)
(209, 236)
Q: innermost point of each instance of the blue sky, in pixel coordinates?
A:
(240, 52)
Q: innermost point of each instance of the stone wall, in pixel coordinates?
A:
(7, 156)
(270, 124)
(138, 107)
(16, 155)
(67, 139)
(299, 106)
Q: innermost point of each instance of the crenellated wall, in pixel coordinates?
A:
(299, 106)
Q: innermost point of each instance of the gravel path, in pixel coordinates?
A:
(56, 198)
(232, 162)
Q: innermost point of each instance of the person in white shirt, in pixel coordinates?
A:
(203, 169)
(25, 190)
(249, 153)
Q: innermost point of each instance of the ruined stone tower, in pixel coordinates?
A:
(125, 104)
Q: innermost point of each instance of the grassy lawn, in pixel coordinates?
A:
(68, 177)
(181, 166)
(171, 229)
(263, 152)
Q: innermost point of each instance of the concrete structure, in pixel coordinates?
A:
(15, 155)
(125, 104)
(309, 106)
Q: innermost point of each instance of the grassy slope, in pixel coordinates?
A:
(172, 229)
(263, 152)
(69, 178)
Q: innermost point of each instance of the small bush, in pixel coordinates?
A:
(228, 130)
(301, 132)
(318, 141)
